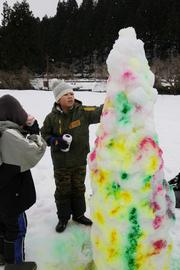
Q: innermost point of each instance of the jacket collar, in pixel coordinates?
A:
(56, 108)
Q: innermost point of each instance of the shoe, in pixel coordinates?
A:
(2, 260)
(61, 226)
(21, 266)
(83, 220)
(175, 182)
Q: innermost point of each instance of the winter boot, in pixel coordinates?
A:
(177, 195)
(61, 226)
(83, 220)
(2, 261)
(175, 182)
(21, 266)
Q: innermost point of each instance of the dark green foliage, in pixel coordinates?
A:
(19, 38)
(81, 37)
(16, 80)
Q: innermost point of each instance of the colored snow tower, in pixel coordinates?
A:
(132, 205)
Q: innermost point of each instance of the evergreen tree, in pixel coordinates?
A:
(20, 40)
(69, 34)
(5, 14)
(85, 34)
(100, 16)
(171, 31)
(85, 27)
(47, 40)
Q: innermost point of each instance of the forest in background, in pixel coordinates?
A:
(76, 41)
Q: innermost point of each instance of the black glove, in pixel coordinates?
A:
(63, 142)
(34, 129)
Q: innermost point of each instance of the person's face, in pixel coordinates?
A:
(67, 101)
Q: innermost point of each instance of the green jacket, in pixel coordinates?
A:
(76, 122)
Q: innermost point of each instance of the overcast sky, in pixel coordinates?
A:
(40, 8)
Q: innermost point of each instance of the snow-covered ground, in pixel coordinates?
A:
(79, 84)
(71, 250)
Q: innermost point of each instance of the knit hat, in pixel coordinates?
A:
(60, 88)
(11, 110)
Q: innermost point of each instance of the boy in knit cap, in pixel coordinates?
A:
(66, 131)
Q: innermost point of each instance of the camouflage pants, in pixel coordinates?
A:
(69, 193)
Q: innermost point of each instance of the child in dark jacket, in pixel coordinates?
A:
(20, 149)
(66, 131)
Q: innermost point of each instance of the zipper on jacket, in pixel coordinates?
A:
(60, 129)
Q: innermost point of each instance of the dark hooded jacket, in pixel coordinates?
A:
(76, 123)
(17, 191)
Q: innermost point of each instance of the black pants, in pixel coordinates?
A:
(12, 234)
(69, 193)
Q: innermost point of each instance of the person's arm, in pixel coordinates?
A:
(21, 151)
(46, 130)
(93, 113)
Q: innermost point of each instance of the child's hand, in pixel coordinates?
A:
(33, 129)
(63, 141)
